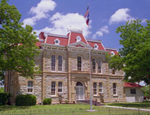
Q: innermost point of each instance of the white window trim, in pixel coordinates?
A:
(101, 67)
(78, 38)
(81, 64)
(101, 88)
(30, 87)
(58, 63)
(116, 90)
(55, 63)
(95, 46)
(96, 89)
(60, 88)
(51, 89)
(57, 40)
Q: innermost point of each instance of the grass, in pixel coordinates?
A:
(145, 105)
(65, 109)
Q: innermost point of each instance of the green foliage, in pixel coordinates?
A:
(1, 89)
(47, 101)
(17, 43)
(4, 98)
(25, 100)
(135, 51)
(146, 90)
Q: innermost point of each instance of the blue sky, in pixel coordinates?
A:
(57, 16)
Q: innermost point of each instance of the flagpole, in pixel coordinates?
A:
(90, 80)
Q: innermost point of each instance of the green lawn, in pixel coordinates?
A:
(66, 109)
(145, 105)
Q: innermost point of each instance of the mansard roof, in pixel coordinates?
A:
(74, 38)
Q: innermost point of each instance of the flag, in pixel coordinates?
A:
(87, 16)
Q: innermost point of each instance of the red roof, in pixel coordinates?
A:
(38, 43)
(73, 36)
(63, 41)
(100, 46)
(130, 84)
(112, 50)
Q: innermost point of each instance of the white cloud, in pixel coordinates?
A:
(61, 23)
(121, 15)
(100, 32)
(40, 11)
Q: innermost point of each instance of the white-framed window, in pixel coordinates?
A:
(57, 41)
(53, 88)
(30, 87)
(78, 38)
(60, 87)
(93, 66)
(79, 63)
(114, 89)
(100, 87)
(112, 53)
(133, 91)
(95, 46)
(94, 88)
(60, 61)
(99, 66)
(53, 62)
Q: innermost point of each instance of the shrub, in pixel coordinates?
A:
(47, 101)
(4, 98)
(25, 100)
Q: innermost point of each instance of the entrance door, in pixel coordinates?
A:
(79, 91)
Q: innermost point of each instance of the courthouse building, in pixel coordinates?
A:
(67, 63)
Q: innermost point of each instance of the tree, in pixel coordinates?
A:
(17, 43)
(135, 51)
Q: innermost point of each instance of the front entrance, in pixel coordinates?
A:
(79, 91)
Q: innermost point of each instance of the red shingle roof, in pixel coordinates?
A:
(130, 84)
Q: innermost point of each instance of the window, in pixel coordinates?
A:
(113, 71)
(57, 41)
(79, 63)
(95, 46)
(78, 38)
(53, 87)
(60, 60)
(30, 86)
(99, 66)
(95, 88)
(100, 88)
(93, 65)
(60, 87)
(114, 88)
(112, 53)
(133, 91)
(52, 62)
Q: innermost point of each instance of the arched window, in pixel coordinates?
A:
(79, 63)
(60, 61)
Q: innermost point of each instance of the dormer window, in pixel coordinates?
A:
(95, 46)
(78, 38)
(57, 41)
(112, 53)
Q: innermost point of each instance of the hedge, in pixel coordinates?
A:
(4, 98)
(25, 100)
(47, 101)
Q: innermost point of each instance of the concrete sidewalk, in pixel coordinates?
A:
(138, 109)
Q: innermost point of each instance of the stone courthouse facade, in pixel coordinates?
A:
(67, 62)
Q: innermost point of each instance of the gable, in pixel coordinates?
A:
(80, 44)
(74, 36)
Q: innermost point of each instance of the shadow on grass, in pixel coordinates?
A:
(12, 107)
(136, 105)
